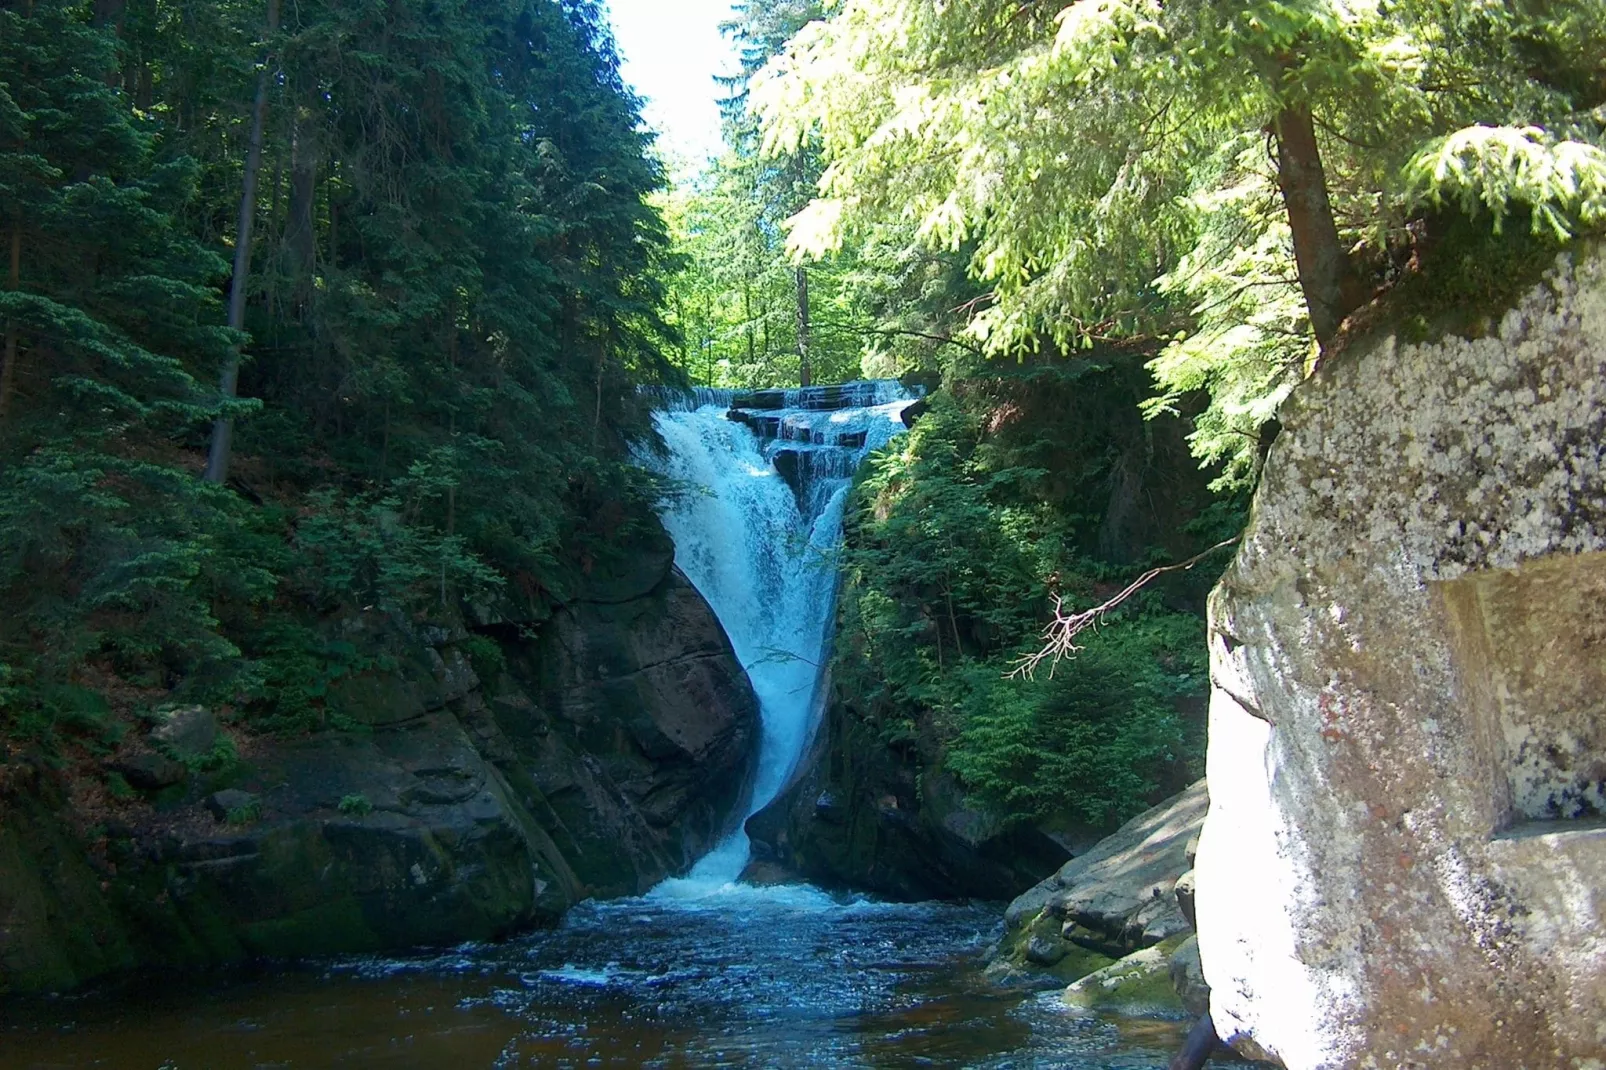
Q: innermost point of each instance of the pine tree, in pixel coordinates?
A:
(111, 317)
(450, 295)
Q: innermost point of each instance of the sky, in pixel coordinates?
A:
(672, 50)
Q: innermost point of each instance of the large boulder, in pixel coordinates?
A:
(1118, 898)
(1404, 864)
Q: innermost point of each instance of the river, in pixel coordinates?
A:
(786, 977)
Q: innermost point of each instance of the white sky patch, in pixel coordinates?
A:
(672, 50)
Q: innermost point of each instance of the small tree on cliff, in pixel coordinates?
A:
(1236, 174)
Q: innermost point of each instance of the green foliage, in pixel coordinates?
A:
(362, 555)
(485, 655)
(1015, 486)
(454, 291)
(1111, 167)
(356, 805)
(1093, 741)
(1489, 168)
(880, 308)
(222, 757)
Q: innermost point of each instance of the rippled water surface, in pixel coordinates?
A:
(742, 978)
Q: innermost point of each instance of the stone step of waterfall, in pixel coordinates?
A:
(799, 428)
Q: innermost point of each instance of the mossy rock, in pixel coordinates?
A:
(337, 926)
(56, 930)
(1136, 986)
(1071, 962)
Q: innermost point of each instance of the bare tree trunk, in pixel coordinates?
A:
(300, 235)
(8, 370)
(602, 366)
(1332, 287)
(596, 419)
(805, 368)
(217, 461)
(747, 318)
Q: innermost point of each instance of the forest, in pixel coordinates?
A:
(318, 307)
(311, 308)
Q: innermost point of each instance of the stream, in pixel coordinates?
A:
(782, 977)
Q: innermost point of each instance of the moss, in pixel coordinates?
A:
(1139, 984)
(1464, 271)
(1077, 963)
(328, 928)
(59, 929)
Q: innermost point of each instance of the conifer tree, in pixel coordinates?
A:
(451, 295)
(1242, 174)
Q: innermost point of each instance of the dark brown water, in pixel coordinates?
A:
(772, 978)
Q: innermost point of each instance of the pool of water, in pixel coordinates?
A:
(745, 977)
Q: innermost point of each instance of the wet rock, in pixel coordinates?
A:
(651, 691)
(887, 829)
(1187, 978)
(1045, 950)
(1139, 985)
(231, 803)
(186, 732)
(1403, 862)
(149, 771)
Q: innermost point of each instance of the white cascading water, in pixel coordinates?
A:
(763, 555)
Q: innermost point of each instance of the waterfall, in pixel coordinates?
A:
(765, 477)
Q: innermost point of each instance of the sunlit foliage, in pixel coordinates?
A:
(1113, 165)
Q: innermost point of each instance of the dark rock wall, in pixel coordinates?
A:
(859, 814)
(611, 750)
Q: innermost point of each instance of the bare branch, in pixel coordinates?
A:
(1059, 638)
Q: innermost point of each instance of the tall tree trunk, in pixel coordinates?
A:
(1332, 287)
(596, 420)
(747, 318)
(805, 367)
(217, 461)
(8, 370)
(300, 235)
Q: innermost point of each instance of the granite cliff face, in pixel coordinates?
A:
(1404, 863)
(862, 815)
(603, 750)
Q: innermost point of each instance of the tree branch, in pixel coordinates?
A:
(1059, 638)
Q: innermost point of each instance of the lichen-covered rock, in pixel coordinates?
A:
(1119, 896)
(186, 732)
(1403, 864)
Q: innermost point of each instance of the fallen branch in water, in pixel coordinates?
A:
(1059, 638)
